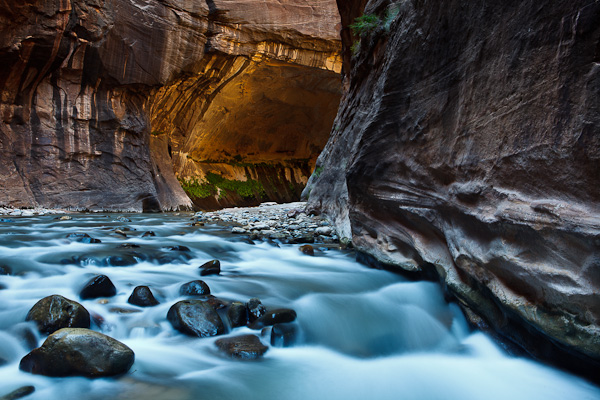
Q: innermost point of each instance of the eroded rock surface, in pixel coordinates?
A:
(468, 145)
(56, 312)
(101, 101)
(81, 352)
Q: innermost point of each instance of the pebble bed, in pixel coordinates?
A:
(288, 223)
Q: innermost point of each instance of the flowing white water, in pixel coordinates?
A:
(363, 333)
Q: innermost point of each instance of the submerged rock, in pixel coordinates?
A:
(244, 347)
(82, 238)
(124, 260)
(80, 352)
(273, 317)
(19, 393)
(195, 318)
(283, 335)
(194, 288)
(178, 248)
(98, 286)
(212, 267)
(55, 312)
(142, 296)
(5, 270)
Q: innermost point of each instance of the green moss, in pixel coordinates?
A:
(364, 24)
(196, 189)
(215, 184)
(318, 171)
(355, 48)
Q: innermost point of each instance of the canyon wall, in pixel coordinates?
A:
(106, 104)
(467, 147)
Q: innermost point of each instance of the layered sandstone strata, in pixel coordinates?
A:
(103, 100)
(468, 146)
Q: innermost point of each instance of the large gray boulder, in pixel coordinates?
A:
(55, 312)
(80, 352)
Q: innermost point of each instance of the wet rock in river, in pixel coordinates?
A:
(148, 234)
(178, 248)
(307, 249)
(194, 288)
(142, 296)
(82, 238)
(98, 286)
(129, 245)
(244, 347)
(195, 318)
(237, 314)
(124, 260)
(255, 309)
(283, 335)
(5, 270)
(212, 267)
(273, 317)
(55, 312)
(18, 393)
(79, 352)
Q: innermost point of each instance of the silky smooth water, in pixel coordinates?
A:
(363, 333)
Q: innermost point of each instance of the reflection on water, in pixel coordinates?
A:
(363, 333)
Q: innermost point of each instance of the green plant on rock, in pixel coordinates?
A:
(318, 171)
(364, 24)
(355, 48)
(196, 189)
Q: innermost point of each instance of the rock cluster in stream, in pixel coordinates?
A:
(288, 223)
(73, 349)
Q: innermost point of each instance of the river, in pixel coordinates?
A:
(362, 333)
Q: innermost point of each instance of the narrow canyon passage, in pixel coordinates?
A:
(116, 106)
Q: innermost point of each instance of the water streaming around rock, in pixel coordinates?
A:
(363, 333)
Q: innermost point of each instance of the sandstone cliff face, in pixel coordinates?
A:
(468, 144)
(103, 100)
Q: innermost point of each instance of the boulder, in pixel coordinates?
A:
(143, 297)
(79, 352)
(244, 347)
(195, 318)
(210, 268)
(194, 288)
(98, 286)
(55, 312)
(281, 315)
(255, 309)
(237, 314)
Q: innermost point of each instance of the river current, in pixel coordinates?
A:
(362, 333)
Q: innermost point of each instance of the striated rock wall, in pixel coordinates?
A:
(101, 97)
(468, 146)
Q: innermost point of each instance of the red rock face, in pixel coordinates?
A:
(468, 144)
(85, 83)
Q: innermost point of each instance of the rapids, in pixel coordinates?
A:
(363, 333)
